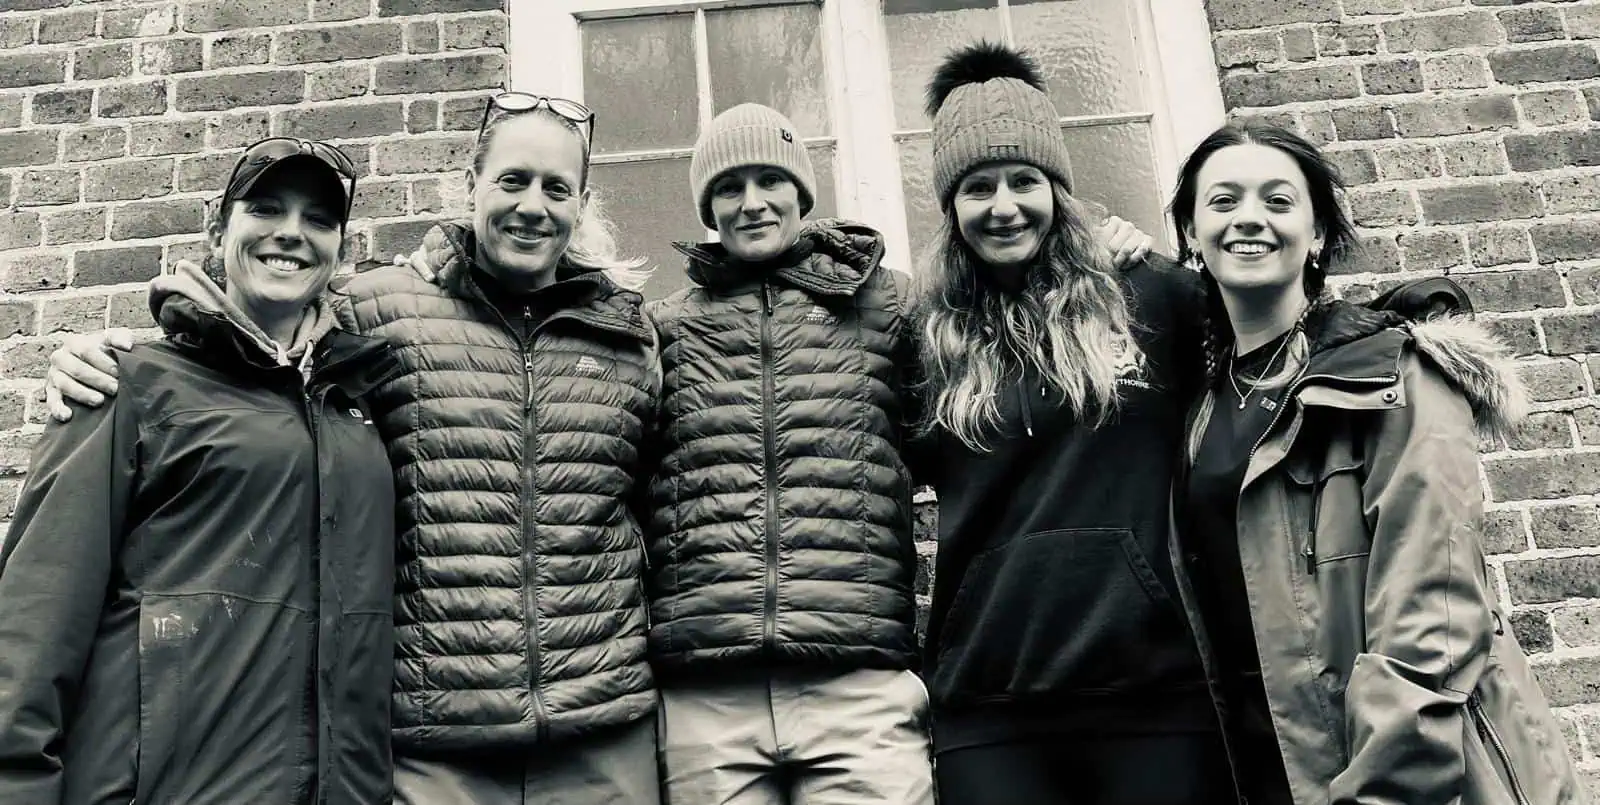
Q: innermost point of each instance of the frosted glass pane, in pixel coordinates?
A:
(822, 169)
(919, 41)
(922, 206)
(770, 55)
(639, 76)
(650, 205)
(1087, 51)
(1115, 167)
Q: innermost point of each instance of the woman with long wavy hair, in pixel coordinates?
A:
(1059, 665)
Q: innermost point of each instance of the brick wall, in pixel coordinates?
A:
(119, 120)
(1467, 132)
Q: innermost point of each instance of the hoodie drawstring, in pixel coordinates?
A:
(1027, 406)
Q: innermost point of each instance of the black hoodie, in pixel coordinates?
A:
(1054, 611)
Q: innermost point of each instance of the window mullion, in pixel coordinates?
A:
(1006, 31)
(857, 58)
(702, 68)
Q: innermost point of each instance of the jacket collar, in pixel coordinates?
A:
(587, 296)
(833, 257)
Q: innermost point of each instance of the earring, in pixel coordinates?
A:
(1195, 262)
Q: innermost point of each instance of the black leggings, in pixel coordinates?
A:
(1181, 769)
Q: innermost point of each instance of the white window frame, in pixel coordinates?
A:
(1181, 78)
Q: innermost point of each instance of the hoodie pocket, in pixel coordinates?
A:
(1072, 611)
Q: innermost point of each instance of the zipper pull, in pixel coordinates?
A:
(766, 301)
(527, 381)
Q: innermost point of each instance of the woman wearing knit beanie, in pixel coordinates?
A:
(1059, 667)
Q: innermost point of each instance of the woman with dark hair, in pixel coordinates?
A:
(1058, 662)
(198, 583)
(1329, 515)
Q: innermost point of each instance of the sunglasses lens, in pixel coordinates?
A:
(515, 101)
(571, 110)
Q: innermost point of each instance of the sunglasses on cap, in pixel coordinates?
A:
(265, 153)
(513, 103)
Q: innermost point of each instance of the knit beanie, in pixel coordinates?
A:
(746, 135)
(988, 104)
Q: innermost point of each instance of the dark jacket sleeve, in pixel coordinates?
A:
(54, 571)
(1428, 602)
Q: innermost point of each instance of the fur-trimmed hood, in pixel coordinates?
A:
(1350, 342)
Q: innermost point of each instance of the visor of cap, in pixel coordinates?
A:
(250, 175)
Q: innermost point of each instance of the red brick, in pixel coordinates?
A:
(205, 16)
(230, 91)
(1362, 123)
(402, 8)
(468, 33)
(27, 148)
(1585, 284)
(1455, 71)
(139, 21)
(152, 219)
(73, 314)
(339, 10)
(1499, 246)
(1446, 32)
(1591, 96)
(1356, 166)
(1504, 532)
(93, 143)
(48, 186)
(207, 172)
(1377, 254)
(131, 179)
(1479, 202)
(380, 199)
(1532, 628)
(135, 99)
(1577, 625)
(1392, 77)
(1532, 24)
(1544, 431)
(1433, 118)
(1284, 86)
(166, 137)
(30, 359)
(36, 271)
(422, 36)
(426, 197)
(35, 5)
(238, 131)
(421, 116)
(1229, 15)
(1583, 22)
(169, 56)
(447, 74)
(17, 318)
(1521, 334)
(1547, 150)
(11, 107)
(1588, 421)
(1580, 193)
(464, 114)
(21, 230)
(1549, 381)
(104, 61)
(16, 31)
(1299, 44)
(1552, 107)
(1464, 158)
(1548, 580)
(1347, 40)
(1556, 63)
(130, 309)
(239, 50)
(64, 106)
(1566, 526)
(32, 69)
(343, 121)
(1544, 477)
(1569, 335)
(115, 265)
(1382, 207)
(1573, 240)
(1408, 161)
(68, 26)
(422, 155)
(1431, 250)
(74, 225)
(333, 83)
(401, 237)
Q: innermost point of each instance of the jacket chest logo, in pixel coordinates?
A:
(588, 367)
(820, 315)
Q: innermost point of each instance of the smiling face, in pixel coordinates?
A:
(1003, 211)
(527, 197)
(757, 212)
(280, 244)
(1254, 221)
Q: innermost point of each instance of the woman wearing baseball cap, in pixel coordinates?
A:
(198, 579)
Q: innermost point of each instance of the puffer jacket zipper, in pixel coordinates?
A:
(530, 599)
(769, 455)
(1491, 736)
(320, 720)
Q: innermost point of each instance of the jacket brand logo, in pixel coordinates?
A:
(820, 315)
(589, 366)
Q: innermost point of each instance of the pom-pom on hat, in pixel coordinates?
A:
(988, 104)
(746, 135)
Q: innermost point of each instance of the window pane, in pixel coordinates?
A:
(1115, 167)
(772, 56)
(639, 74)
(1087, 51)
(919, 40)
(649, 204)
(822, 171)
(922, 206)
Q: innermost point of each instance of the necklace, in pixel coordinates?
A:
(1244, 396)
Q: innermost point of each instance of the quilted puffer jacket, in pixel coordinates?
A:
(514, 428)
(780, 525)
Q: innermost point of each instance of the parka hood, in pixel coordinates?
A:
(832, 257)
(1353, 342)
(187, 302)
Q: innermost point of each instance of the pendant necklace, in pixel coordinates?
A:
(1244, 396)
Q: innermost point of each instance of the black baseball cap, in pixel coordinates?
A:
(273, 152)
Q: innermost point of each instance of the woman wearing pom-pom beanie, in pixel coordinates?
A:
(1059, 665)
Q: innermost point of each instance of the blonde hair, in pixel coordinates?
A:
(1069, 324)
